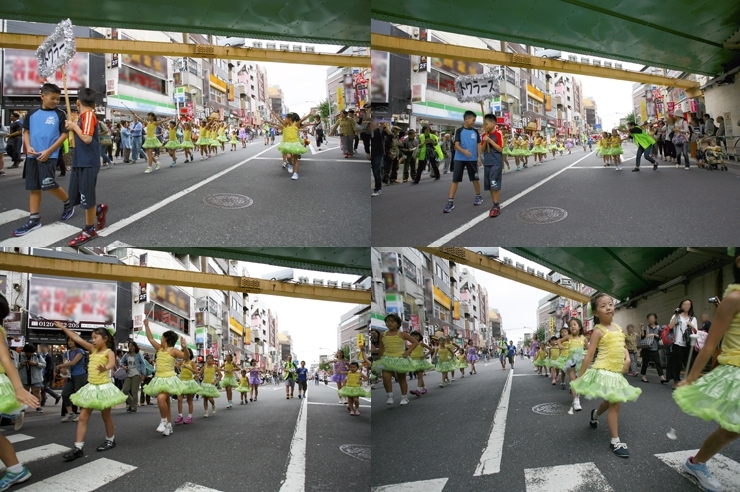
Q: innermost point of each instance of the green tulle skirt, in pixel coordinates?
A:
(353, 392)
(446, 366)
(560, 362)
(222, 139)
(393, 364)
(292, 148)
(172, 144)
(608, 385)
(461, 364)
(242, 389)
(539, 362)
(187, 144)
(228, 381)
(715, 396)
(171, 385)
(8, 403)
(422, 364)
(189, 387)
(98, 396)
(208, 391)
(203, 141)
(152, 143)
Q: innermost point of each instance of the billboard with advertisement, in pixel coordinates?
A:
(141, 80)
(62, 299)
(21, 76)
(172, 298)
(380, 63)
(155, 65)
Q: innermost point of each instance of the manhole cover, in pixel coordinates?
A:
(541, 215)
(551, 408)
(359, 451)
(228, 200)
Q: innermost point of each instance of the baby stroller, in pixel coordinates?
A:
(710, 155)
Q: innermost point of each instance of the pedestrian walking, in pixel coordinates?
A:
(466, 143)
(683, 323)
(650, 335)
(135, 367)
(48, 373)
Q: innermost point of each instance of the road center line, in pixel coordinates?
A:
(295, 475)
(490, 460)
(153, 208)
(452, 235)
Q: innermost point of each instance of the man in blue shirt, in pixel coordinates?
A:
(136, 150)
(302, 375)
(44, 133)
(466, 143)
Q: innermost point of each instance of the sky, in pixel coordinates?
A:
(304, 86)
(311, 324)
(516, 302)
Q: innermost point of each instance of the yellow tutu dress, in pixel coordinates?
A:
(352, 387)
(99, 393)
(419, 361)
(189, 385)
(207, 388)
(393, 359)
(165, 379)
(228, 379)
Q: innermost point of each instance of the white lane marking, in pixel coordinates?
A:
(326, 150)
(366, 399)
(12, 215)
(86, 478)
(334, 404)
(472, 223)
(295, 475)
(564, 478)
(310, 160)
(526, 374)
(39, 453)
(44, 236)
(435, 485)
(153, 208)
(490, 460)
(193, 487)
(14, 438)
(722, 468)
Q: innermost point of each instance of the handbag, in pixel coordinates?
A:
(120, 374)
(104, 138)
(679, 139)
(645, 343)
(667, 336)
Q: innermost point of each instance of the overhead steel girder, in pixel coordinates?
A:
(15, 262)
(480, 262)
(393, 44)
(180, 50)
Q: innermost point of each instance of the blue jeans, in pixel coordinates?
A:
(377, 165)
(682, 149)
(104, 155)
(641, 151)
(136, 149)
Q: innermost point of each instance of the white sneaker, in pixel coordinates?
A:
(376, 193)
(67, 417)
(295, 176)
(148, 170)
(206, 415)
(214, 409)
(18, 422)
(156, 167)
(577, 405)
(162, 427)
(404, 401)
(167, 430)
(389, 401)
(452, 379)
(289, 167)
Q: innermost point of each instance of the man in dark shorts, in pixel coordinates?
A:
(302, 379)
(491, 148)
(85, 167)
(466, 143)
(512, 354)
(45, 133)
(289, 369)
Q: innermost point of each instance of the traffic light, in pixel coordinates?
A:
(360, 340)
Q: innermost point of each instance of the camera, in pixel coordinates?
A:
(713, 300)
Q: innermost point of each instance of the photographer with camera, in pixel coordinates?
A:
(683, 322)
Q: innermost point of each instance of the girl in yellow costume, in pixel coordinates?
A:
(151, 142)
(207, 389)
(394, 358)
(715, 395)
(229, 381)
(99, 393)
(602, 148)
(559, 363)
(539, 359)
(577, 346)
(615, 149)
(12, 397)
(213, 128)
(172, 144)
(353, 390)
(539, 149)
(554, 356)
(291, 146)
(605, 379)
(203, 140)
(222, 138)
(190, 388)
(165, 382)
(187, 141)
(421, 364)
(243, 388)
(233, 141)
(445, 361)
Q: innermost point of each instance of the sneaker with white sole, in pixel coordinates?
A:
(389, 401)
(148, 170)
(206, 414)
(577, 405)
(11, 478)
(376, 193)
(620, 449)
(67, 417)
(18, 422)
(701, 473)
(404, 401)
(295, 176)
(289, 167)
(162, 426)
(167, 430)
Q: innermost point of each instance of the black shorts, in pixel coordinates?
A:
(302, 385)
(40, 175)
(459, 168)
(82, 186)
(492, 177)
(511, 360)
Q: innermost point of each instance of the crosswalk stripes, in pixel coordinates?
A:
(192, 487)
(44, 236)
(85, 478)
(39, 453)
(14, 438)
(564, 478)
(722, 468)
(12, 215)
(435, 485)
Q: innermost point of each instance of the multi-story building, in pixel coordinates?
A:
(276, 100)
(496, 323)
(347, 87)
(285, 342)
(351, 324)
(591, 114)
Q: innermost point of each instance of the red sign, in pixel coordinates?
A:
(22, 77)
(414, 322)
(507, 118)
(500, 120)
(671, 107)
(657, 95)
(191, 111)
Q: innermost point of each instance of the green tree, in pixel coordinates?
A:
(527, 342)
(631, 118)
(324, 109)
(540, 333)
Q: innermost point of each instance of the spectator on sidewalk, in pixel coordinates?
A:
(48, 376)
(651, 354)
(631, 342)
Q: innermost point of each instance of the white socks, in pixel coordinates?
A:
(164, 421)
(79, 445)
(615, 440)
(111, 438)
(17, 468)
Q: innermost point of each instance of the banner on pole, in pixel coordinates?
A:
(57, 50)
(477, 88)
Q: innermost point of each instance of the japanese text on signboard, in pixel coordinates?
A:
(477, 88)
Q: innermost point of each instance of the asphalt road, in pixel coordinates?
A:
(243, 448)
(439, 439)
(604, 207)
(327, 206)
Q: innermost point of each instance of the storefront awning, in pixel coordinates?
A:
(127, 104)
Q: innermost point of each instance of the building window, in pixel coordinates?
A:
(441, 312)
(217, 96)
(534, 105)
(440, 81)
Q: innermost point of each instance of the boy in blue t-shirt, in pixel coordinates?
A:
(467, 158)
(45, 133)
(302, 378)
